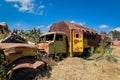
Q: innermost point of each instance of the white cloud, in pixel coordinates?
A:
(48, 27)
(72, 21)
(24, 5)
(41, 6)
(103, 26)
(29, 6)
(80, 23)
(16, 6)
(117, 28)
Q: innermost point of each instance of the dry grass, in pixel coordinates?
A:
(79, 69)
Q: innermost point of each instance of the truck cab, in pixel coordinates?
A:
(53, 43)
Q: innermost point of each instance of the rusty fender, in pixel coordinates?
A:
(34, 65)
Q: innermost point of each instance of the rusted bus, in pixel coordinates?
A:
(90, 37)
(76, 39)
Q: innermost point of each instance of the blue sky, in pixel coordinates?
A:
(101, 15)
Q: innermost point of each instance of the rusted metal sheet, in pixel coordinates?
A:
(13, 45)
(30, 65)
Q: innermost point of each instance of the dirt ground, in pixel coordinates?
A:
(76, 68)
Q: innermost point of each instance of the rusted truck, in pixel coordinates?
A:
(19, 60)
(67, 38)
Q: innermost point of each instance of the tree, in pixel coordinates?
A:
(31, 35)
(115, 34)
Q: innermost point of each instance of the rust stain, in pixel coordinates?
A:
(78, 48)
(76, 41)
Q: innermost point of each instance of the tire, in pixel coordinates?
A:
(27, 74)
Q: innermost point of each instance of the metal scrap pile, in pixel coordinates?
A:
(14, 37)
